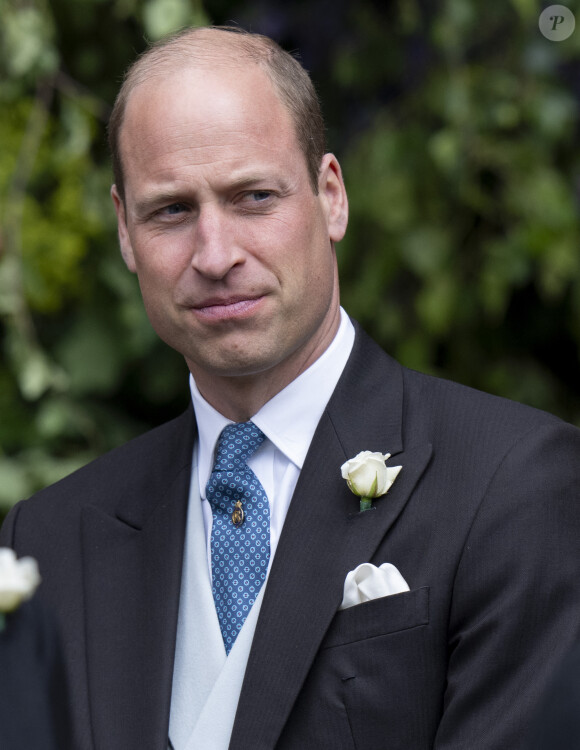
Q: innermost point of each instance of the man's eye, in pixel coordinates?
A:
(254, 197)
(174, 209)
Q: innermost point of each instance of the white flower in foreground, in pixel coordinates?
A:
(19, 579)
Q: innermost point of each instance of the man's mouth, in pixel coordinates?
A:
(227, 308)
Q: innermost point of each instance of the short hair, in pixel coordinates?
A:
(203, 45)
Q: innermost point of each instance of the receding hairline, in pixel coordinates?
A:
(228, 47)
(211, 47)
(148, 80)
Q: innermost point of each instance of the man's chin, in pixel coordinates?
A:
(237, 364)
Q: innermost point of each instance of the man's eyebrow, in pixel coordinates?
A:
(153, 200)
(251, 180)
(239, 183)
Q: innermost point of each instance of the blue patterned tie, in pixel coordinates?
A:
(240, 536)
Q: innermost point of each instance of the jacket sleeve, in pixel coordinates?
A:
(516, 597)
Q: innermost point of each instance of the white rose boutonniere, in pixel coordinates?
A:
(19, 580)
(368, 476)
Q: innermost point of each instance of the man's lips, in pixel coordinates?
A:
(216, 308)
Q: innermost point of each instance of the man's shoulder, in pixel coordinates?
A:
(446, 405)
(147, 459)
(445, 401)
(444, 394)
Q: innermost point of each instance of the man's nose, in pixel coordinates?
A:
(215, 244)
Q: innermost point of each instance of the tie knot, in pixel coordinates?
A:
(237, 443)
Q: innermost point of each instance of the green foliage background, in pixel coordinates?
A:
(456, 123)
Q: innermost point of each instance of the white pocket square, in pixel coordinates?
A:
(368, 582)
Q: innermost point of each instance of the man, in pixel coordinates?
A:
(229, 210)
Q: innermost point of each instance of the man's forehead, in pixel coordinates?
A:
(187, 85)
(176, 134)
(220, 64)
(173, 100)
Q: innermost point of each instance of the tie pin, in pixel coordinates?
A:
(238, 515)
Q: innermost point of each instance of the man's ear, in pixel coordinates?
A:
(333, 194)
(124, 240)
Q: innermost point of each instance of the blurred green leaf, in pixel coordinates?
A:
(161, 17)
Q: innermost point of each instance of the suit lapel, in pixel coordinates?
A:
(132, 584)
(324, 537)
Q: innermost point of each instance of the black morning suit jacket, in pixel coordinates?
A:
(33, 692)
(556, 724)
(483, 522)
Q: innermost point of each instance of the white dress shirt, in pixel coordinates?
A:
(288, 421)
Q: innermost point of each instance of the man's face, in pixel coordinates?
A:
(232, 248)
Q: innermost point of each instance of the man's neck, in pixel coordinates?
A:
(240, 397)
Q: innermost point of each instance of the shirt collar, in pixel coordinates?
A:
(290, 418)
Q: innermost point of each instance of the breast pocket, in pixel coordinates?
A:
(379, 617)
(371, 684)
(380, 659)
